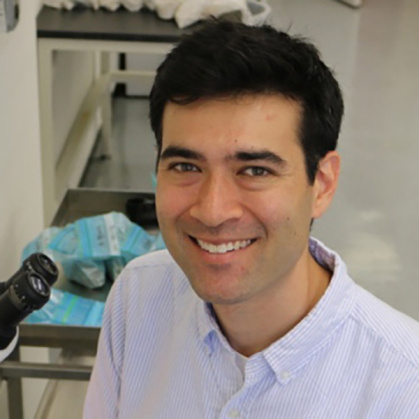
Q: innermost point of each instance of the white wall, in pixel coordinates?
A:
(20, 166)
(21, 212)
(21, 208)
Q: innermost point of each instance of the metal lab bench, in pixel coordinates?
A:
(77, 203)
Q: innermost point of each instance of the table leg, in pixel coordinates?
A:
(14, 391)
(106, 106)
(45, 53)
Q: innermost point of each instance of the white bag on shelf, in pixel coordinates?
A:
(69, 4)
(190, 11)
(220, 7)
(185, 12)
(111, 5)
(132, 5)
(257, 13)
(59, 4)
(89, 3)
(166, 8)
(149, 4)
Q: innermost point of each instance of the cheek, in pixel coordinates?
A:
(282, 213)
(170, 202)
(273, 210)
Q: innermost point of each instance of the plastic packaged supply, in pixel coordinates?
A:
(149, 4)
(59, 4)
(132, 5)
(111, 5)
(256, 14)
(102, 236)
(68, 309)
(69, 4)
(66, 247)
(94, 248)
(40, 244)
(138, 243)
(220, 7)
(166, 8)
(189, 12)
(65, 244)
(158, 243)
(89, 3)
(185, 12)
(114, 267)
(87, 272)
(83, 247)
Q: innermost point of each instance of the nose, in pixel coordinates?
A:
(217, 202)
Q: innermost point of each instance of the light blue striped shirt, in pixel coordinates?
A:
(161, 355)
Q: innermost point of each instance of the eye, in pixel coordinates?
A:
(184, 167)
(256, 171)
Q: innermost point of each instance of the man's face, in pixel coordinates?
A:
(233, 200)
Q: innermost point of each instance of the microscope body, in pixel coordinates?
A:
(27, 290)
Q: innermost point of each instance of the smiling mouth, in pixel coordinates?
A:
(222, 248)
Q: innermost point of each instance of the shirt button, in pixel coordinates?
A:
(285, 375)
(234, 414)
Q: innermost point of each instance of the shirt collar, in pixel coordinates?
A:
(207, 324)
(290, 353)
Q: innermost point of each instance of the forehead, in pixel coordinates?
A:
(223, 124)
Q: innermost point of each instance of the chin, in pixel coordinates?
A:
(219, 297)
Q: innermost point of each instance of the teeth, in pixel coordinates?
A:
(225, 247)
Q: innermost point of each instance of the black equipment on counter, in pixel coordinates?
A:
(27, 290)
(142, 211)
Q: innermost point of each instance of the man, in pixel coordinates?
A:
(245, 316)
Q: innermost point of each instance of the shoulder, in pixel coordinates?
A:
(151, 281)
(153, 267)
(153, 259)
(392, 329)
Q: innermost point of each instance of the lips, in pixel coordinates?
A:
(224, 247)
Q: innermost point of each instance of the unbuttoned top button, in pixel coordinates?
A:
(234, 414)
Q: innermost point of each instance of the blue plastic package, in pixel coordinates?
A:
(102, 236)
(68, 309)
(40, 243)
(158, 243)
(154, 181)
(66, 242)
(138, 243)
(87, 272)
(93, 248)
(114, 267)
(67, 250)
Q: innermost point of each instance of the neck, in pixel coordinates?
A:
(250, 326)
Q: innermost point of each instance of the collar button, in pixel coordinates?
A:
(285, 375)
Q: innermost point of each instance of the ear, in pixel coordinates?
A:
(325, 183)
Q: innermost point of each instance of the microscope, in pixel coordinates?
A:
(27, 290)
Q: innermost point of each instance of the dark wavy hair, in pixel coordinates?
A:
(227, 59)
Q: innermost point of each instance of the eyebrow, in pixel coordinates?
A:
(258, 155)
(241, 155)
(176, 151)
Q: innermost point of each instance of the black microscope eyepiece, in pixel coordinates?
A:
(43, 266)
